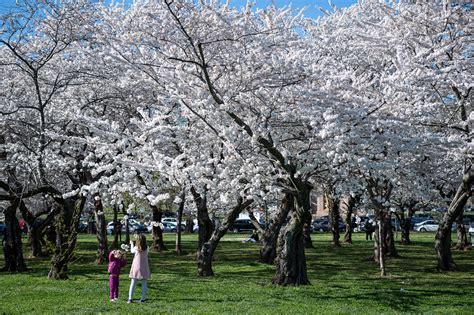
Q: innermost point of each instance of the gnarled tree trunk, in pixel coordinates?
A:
(158, 244)
(12, 246)
(204, 222)
(270, 233)
(102, 246)
(66, 223)
(36, 234)
(349, 205)
(36, 228)
(462, 242)
(206, 252)
(334, 217)
(443, 235)
(291, 260)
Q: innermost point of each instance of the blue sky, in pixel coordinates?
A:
(312, 5)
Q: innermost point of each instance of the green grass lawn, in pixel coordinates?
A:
(341, 282)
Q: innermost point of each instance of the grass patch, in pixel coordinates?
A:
(342, 281)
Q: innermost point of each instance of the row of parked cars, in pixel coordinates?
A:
(134, 226)
(422, 223)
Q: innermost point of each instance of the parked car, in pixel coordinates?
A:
(173, 220)
(110, 228)
(468, 218)
(428, 225)
(320, 226)
(417, 219)
(171, 227)
(323, 226)
(133, 227)
(242, 225)
(82, 227)
(139, 228)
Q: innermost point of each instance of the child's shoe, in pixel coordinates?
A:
(129, 301)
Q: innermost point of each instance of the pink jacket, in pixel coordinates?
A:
(115, 264)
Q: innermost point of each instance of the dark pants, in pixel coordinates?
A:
(368, 235)
(114, 286)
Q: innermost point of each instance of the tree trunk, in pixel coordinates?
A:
(12, 246)
(117, 229)
(102, 250)
(66, 224)
(462, 243)
(36, 234)
(91, 227)
(348, 219)
(189, 224)
(380, 190)
(270, 233)
(379, 246)
(36, 228)
(405, 222)
(158, 243)
(334, 217)
(391, 250)
(308, 243)
(206, 252)
(291, 260)
(443, 235)
(178, 248)
(405, 231)
(204, 222)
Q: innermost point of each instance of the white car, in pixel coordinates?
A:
(425, 226)
(172, 220)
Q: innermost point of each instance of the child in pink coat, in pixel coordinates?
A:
(140, 269)
(117, 261)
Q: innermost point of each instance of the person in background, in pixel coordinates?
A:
(369, 229)
(140, 269)
(252, 238)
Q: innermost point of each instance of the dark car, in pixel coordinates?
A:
(320, 226)
(139, 228)
(242, 225)
(82, 227)
(468, 218)
(323, 226)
